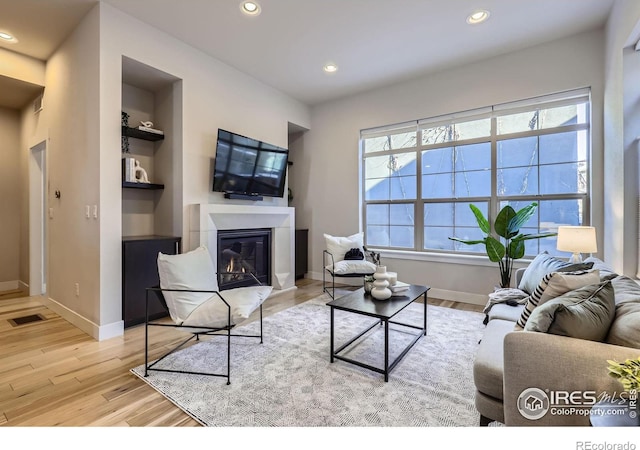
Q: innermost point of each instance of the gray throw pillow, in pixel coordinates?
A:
(625, 329)
(585, 313)
(544, 264)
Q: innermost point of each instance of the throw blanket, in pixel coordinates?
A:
(504, 295)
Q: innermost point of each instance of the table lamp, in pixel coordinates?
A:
(577, 240)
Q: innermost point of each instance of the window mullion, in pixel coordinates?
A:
(493, 202)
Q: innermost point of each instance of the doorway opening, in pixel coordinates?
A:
(38, 219)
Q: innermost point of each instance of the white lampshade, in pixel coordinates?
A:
(577, 240)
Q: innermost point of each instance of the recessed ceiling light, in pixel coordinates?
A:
(478, 17)
(250, 8)
(8, 37)
(330, 68)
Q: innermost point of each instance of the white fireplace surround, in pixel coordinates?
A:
(208, 218)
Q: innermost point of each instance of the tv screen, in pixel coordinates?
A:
(248, 166)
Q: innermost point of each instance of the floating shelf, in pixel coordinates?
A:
(140, 134)
(148, 186)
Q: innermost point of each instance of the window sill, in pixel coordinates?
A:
(447, 258)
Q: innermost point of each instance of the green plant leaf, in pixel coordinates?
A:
(527, 237)
(501, 225)
(516, 249)
(495, 249)
(521, 217)
(468, 242)
(483, 223)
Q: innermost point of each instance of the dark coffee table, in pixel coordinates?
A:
(360, 303)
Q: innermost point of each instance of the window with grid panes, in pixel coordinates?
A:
(420, 177)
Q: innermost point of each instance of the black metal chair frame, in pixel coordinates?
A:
(372, 255)
(201, 331)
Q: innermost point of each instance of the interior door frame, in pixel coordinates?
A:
(38, 188)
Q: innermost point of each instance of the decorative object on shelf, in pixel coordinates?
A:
(380, 290)
(507, 227)
(399, 289)
(148, 126)
(125, 139)
(128, 169)
(140, 174)
(368, 283)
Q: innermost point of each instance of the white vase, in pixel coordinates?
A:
(380, 290)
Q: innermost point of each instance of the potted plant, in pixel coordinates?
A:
(509, 243)
(627, 373)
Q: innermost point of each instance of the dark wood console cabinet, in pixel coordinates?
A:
(302, 253)
(140, 271)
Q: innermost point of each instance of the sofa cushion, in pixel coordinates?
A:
(503, 311)
(489, 361)
(625, 329)
(544, 264)
(553, 285)
(606, 271)
(586, 313)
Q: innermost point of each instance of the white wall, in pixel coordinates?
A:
(620, 210)
(81, 121)
(329, 201)
(70, 122)
(10, 199)
(214, 96)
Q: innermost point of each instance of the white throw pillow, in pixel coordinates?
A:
(349, 266)
(192, 270)
(338, 246)
(242, 302)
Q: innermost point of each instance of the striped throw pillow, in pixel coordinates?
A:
(553, 285)
(533, 300)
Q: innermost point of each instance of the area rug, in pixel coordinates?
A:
(288, 381)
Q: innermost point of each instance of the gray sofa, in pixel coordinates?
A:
(510, 362)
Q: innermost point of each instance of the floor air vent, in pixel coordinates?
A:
(17, 321)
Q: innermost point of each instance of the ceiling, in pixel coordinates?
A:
(373, 42)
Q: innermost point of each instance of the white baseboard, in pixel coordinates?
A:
(23, 286)
(456, 296)
(441, 294)
(9, 285)
(98, 332)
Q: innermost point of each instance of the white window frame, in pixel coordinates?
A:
(418, 252)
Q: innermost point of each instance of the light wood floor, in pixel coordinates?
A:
(53, 374)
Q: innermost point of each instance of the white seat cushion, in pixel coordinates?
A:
(242, 301)
(353, 266)
(338, 246)
(192, 270)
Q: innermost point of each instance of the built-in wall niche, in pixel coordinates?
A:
(152, 95)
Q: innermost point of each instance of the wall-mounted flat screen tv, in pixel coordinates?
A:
(249, 167)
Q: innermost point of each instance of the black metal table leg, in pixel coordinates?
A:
(331, 345)
(386, 350)
(425, 313)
